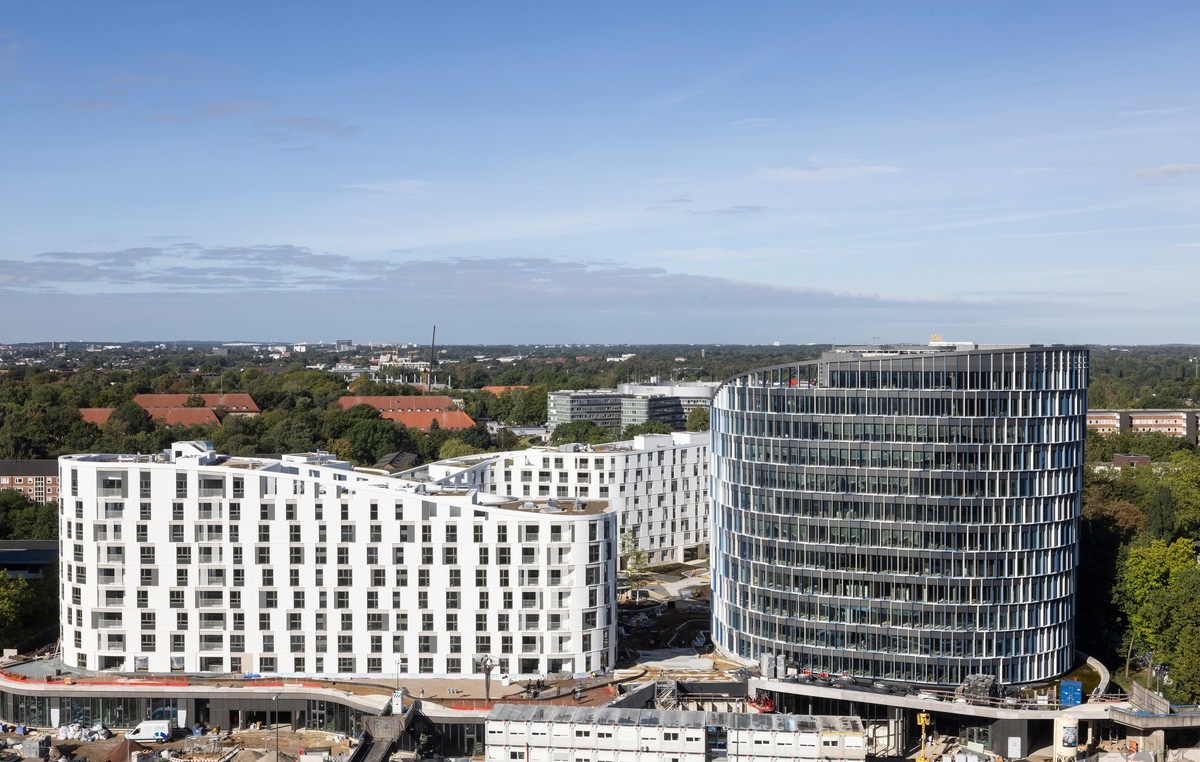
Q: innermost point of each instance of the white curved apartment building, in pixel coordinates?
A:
(190, 561)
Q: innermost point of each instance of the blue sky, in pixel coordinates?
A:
(600, 172)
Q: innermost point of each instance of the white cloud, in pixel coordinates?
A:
(820, 174)
(753, 122)
(392, 186)
(1166, 171)
(1153, 111)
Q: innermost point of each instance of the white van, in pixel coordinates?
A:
(151, 730)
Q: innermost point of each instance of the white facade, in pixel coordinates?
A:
(190, 561)
(523, 733)
(657, 483)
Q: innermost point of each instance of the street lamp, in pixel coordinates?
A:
(275, 704)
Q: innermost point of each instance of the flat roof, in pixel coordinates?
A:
(598, 715)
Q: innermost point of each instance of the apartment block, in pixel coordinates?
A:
(1171, 423)
(192, 561)
(657, 484)
(35, 479)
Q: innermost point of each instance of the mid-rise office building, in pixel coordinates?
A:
(629, 404)
(656, 483)
(190, 561)
(907, 512)
(601, 406)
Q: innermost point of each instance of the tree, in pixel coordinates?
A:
(1160, 514)
(633, 559)
(530, 407)
(698, 419)
(1183, 478)
(128, 419)
(14, 599)
(649, 427)
(1146, 572)
(1181, 636)
(371, 439)
(586, 432)
(456, 448)
(195, 400)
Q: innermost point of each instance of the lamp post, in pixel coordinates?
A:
(275, 704)
(397, 675)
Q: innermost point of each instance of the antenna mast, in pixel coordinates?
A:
(432, 360)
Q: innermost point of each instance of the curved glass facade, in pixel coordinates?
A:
(906, 513)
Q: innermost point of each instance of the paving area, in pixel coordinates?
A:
(257, 745)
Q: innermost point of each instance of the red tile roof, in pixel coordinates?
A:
(235, 403)
(498, 390)
(385, 404)
(183, 416)
(96, 415)
(450, 420)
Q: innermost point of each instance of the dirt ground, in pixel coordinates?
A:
(291, 744)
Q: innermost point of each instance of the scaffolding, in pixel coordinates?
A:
(666, 693)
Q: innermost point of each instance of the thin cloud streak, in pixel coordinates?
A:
(817, 174)
(1166, 172)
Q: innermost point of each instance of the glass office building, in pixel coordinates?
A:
(902, 512)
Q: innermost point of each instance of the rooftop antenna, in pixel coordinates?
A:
(432, 360)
